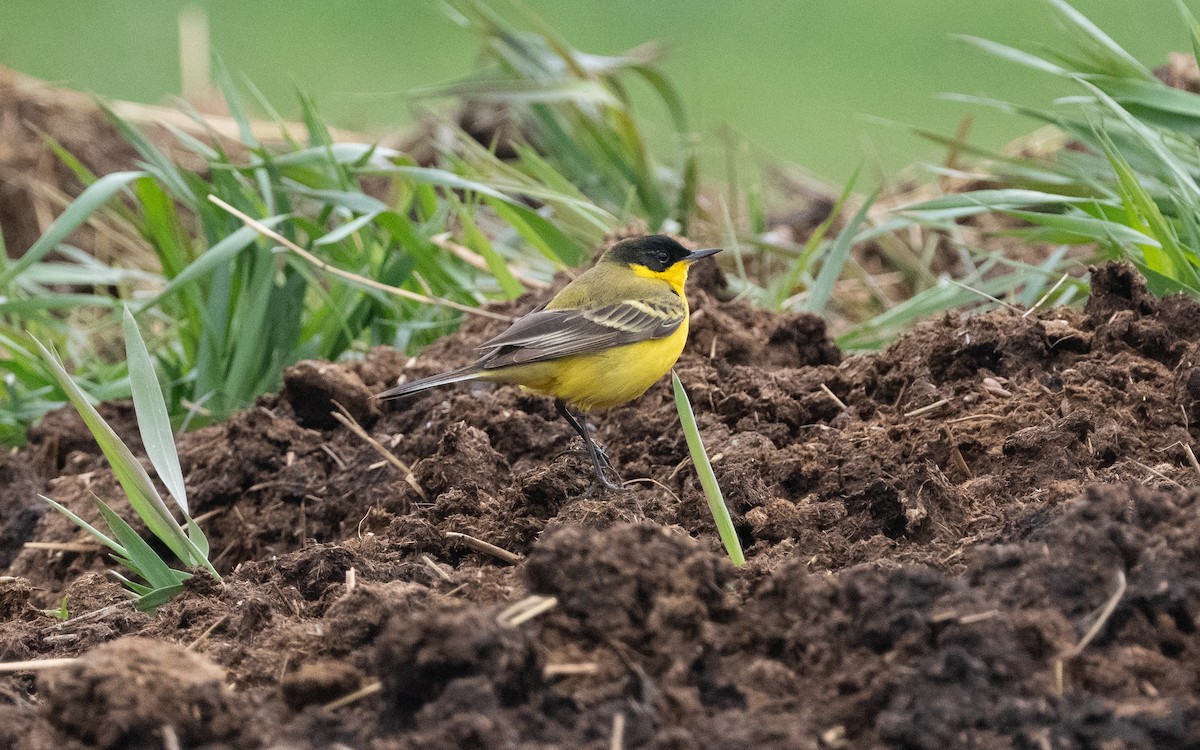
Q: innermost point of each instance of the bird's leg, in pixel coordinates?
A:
(597, 454)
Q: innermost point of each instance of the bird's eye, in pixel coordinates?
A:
(664, 258)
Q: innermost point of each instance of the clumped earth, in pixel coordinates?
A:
(986, 536)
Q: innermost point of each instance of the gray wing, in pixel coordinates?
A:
(549, 334)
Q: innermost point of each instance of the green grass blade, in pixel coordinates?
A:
(161, 225)
(192, 143)
(88, 202)
(1169, 259)
(92, 531)
(442, 178)
(708, 480)
(152, 600)
(524, 91)
(197, 536)
(154, 423)
(234, 101)
(1015, 55)
(252, 321)
(1083, 228)
(345, 230)
(156, 162)
(82, 173)
(1192, 26)
(1104, 46)
(475, 239)
(779, 291)
(1153, 141)
(1152, 96)
(357, 202)
(142, 558)
(139, 589)
(835, 260)
(220, 255)
(667, 92)
(960, 205)
(24, 307)
(542, 234)
(93, 274)
(320, 156)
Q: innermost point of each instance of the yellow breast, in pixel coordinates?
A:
(605, 379)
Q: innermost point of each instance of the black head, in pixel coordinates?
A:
(657, 252)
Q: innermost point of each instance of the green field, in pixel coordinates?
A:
(797, 79)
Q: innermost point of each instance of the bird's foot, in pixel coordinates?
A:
(604, 484)
(606, 476)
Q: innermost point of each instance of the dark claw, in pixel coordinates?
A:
(601, 486)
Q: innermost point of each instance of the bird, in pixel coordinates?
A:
(601, 342)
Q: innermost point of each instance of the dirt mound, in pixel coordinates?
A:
(31, 176)
(125, 692)
(983, 536)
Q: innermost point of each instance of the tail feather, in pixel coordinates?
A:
(469, 372)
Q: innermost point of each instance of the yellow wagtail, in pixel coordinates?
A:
(602, 341)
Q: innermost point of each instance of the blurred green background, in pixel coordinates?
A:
(797, 79)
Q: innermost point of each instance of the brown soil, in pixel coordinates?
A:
(923, 564)
(33, 181)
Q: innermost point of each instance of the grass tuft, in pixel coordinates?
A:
(159, 582)
(1123, 187)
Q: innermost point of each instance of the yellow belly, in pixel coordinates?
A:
(601, 380)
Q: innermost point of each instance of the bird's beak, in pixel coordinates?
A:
(696, 255)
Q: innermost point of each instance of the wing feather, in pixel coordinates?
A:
(550, 334)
